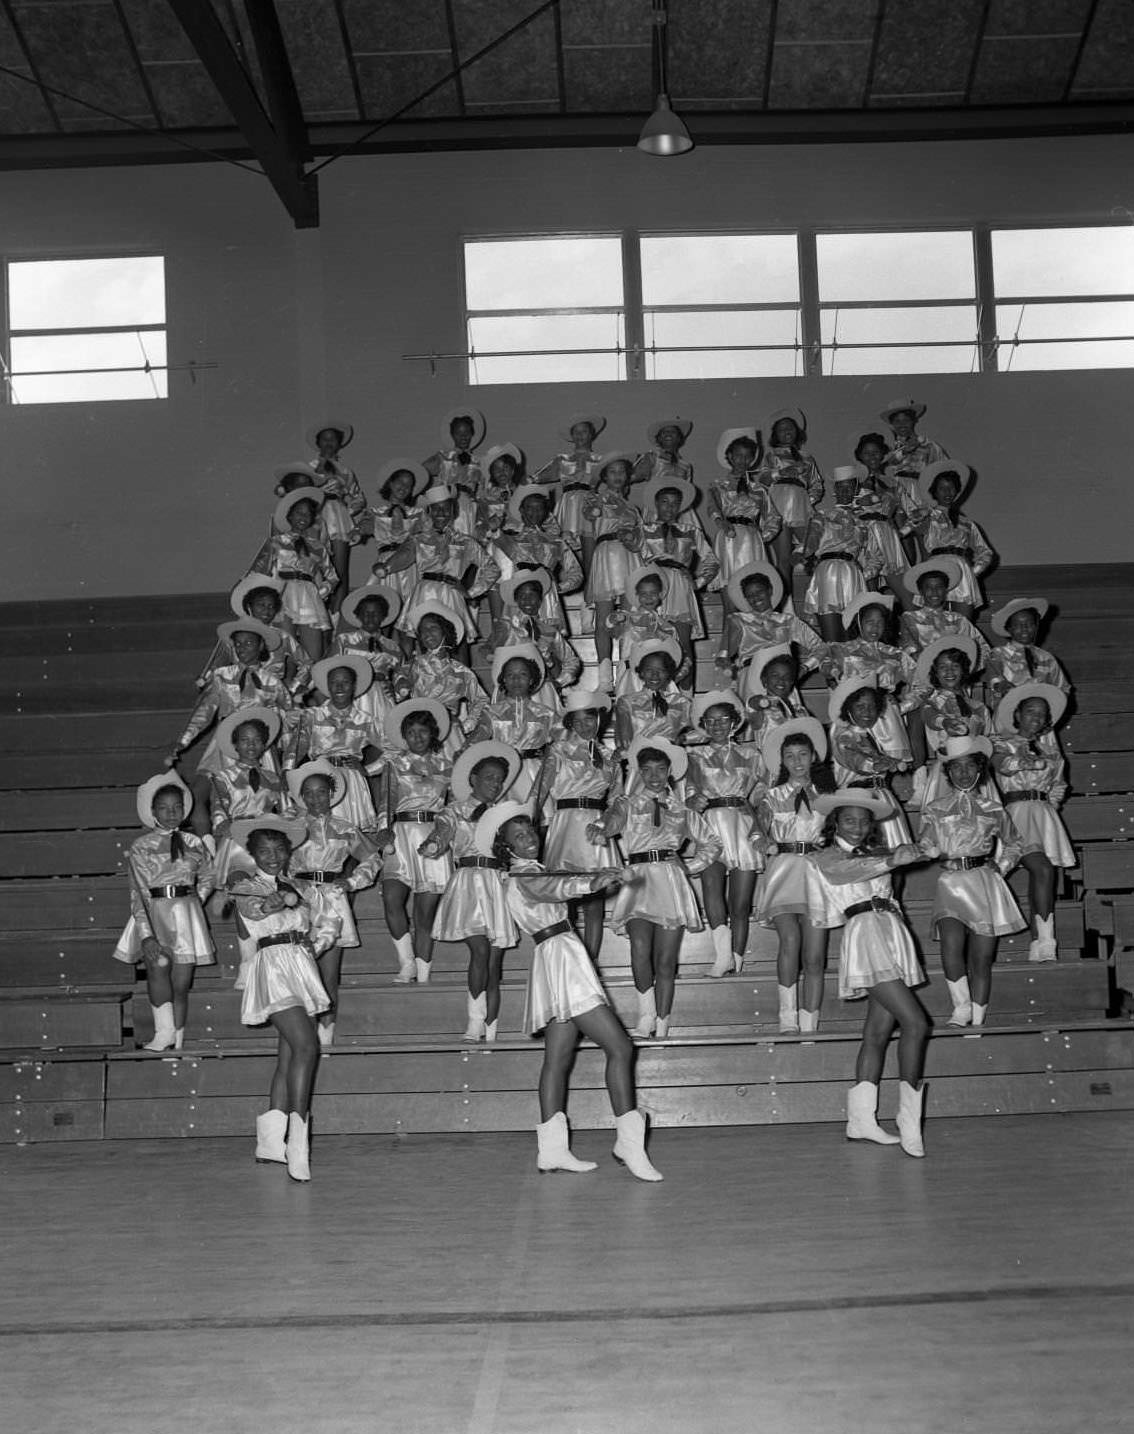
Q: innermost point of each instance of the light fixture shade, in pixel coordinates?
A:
(663, 133)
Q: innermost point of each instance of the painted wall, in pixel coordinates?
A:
(107, 499)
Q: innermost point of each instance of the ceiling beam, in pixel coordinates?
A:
(875, 126)
(279, 147)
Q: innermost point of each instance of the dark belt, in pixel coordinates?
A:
(286, 938)
(574, 804)
(489, 863)
(168, 893)
(557, 928)
(415, 816)
(796, 848)
(576, 487)
(715, 803)
(389, 548)
(789, 483)
(344, 761)
(966, 553)
(1029, 796)
(638, 858)
(296, 578)
(443, 578)
(530, 753)
(876, 903)
(872, 517)
(606, 538)
(965, 863)
(320, 878)
(746, 522)
(872, 782)
(669, 563)
(836, 557)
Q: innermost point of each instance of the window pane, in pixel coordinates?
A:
(547, 333)
(720, 269)
(907, 328)
(700, 329)
(896, 266)
(84, 293)
(1110, 323)
(1098, 260)
(87, 352)
(543, 273)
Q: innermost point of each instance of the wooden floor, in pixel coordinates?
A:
(780, 1279)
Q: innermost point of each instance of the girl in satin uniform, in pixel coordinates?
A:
(579, 781)
(723, 784)
(970, 833)
(436, 673)
(576, 469)
(517, 717)
(943, 528)
(472, 908)
(1031, 774)
(171, 875)
(321, 861)
(342, 730)
(344, 504)
(564, 996)
(849, 885)
(793, 480)
(611, 531)
(415, 782)
(747, 519)
(655, 823)
(793, 828)
(296, 556)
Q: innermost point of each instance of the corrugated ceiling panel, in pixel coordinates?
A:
(389, 81)
(1037, 17)
(717, 52)
(523, 67)
(157, 34)
(1107, 67)
(382, 26)
(186, 96)
(819, 76)
(616, 81)
(1012, 70)
(318, 59)
(926, 48)
(825, 20)
(83, 50)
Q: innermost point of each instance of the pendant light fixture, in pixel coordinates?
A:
(663, 133)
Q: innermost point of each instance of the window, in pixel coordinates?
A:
(898, 303)
(1064, 297)
(85, 330)
(721, 305)
(545, 310)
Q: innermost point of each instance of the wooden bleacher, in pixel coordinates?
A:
(97, 691)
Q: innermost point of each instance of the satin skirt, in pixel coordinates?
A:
(783, 890)
(834, 584)
(404, 863)
(330, 908)
(278, 978)
(610, 571)
(179, 926)
(735, 547)
(303, 605)
(680, 602)
(979, 899)
(876, 947)
(337, 522)
(664, 896)
(430, 590)
(735, 827)
(474, 905)
(792, 504)
(1041, 827)
(567, 847)
(562, 984)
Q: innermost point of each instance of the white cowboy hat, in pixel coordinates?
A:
(847, 473)
(586, 699)
(301, 467)
(751, 570)
(319, 767)
(864, 681)
(684, 426)
(472, 756)
(363, 672)
(540, 576)
(901, 405)
(678, 757)
(227, 728)
(647, 570)
(439, 493)
(271, 637)
(429, 607)
(252, 583)
(957, 747)
(529, 490)
(754, 672)
(390, 596)
(475, 417)
(720, 698)
(646, 497)
(668, 645)
(596, 420)
(294, 828)
(728, 438)
(999, 620)
(619, 455)
(421, 479)
(939, 563)
(1009, 704)
(528, 650)
(929, 655)
(488, 827)
(929, 474)
(864, 600)
(149, 790)
(392, 722)
(501, 450)
(797, 416)
(772, 747)
(288, 502)
(874, 800)
(336, 425)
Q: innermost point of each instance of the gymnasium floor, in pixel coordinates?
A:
(780, 1279)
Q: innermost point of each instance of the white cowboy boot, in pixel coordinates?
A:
(1044, 947)
(911, 1107)
(862, 1115)
(554, 1141)
(298, 1147)
(962, 1001)
(271, 1128)
(403, 945)
(647, 1013)
(477, 1008)
(165, 1037)
(630, 1146)
(722, 946)
(422, 969)
(808, 1020)
(789, 1012)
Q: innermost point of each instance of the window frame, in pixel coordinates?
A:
(8, 377)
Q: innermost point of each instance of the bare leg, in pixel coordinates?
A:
(667, 948)
(159, 984)
(981, 953)
(604, 638)
(340, 560)
(641, 953)
(713, 890)
(311, 640)
(603, 1027)
(1041, 886)
(479, 950)
(492, 987)
(181, 980)
(790, 931)
(202, 790)
(892, 1003)
(685, 639)
(278, 1098)
(330, 967)
(395, 896)
(592, 912)
(297, 1029)
(966, 609)
(741, 888)
(814, 961)
(830, 627)
(425, 905)
(559, 1042)
(781, 555)
(951, 936)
